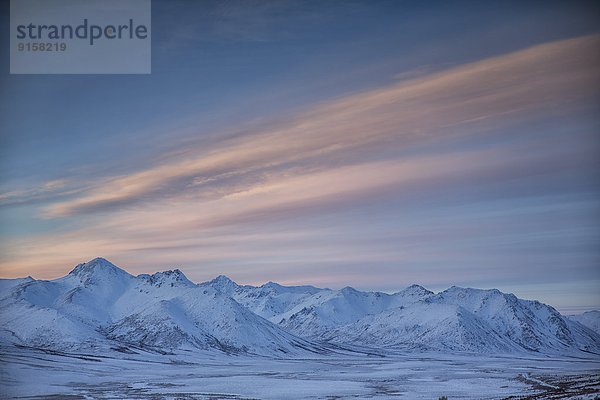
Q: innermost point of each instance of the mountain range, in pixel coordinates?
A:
(100, 307)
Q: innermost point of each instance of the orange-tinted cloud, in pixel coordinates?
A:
(464, 101)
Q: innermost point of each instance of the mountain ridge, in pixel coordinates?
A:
(97, 303)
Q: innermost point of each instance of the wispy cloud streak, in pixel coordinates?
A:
(466, 101)
(271, 194)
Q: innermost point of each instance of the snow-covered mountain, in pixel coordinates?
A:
(424, 325)
(326, 311)
(529, 324)
(458, 319)
(99, 306)
(590, 319)
(471, 320)
(269, 300)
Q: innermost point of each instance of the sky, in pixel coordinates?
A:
(374, 144)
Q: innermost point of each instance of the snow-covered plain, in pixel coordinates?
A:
(36, 374)
(100, 332)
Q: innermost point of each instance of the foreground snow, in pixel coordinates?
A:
(31, 373)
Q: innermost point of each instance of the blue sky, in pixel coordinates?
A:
(372, 144)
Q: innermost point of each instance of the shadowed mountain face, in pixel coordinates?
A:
(99, 306)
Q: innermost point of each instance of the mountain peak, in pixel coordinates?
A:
(461, 291)
(348, 290)
(223, 284)
(98, 261)
(415, 290)
(222, 278)
(95, 265)
(271, 285)
(170, 277)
